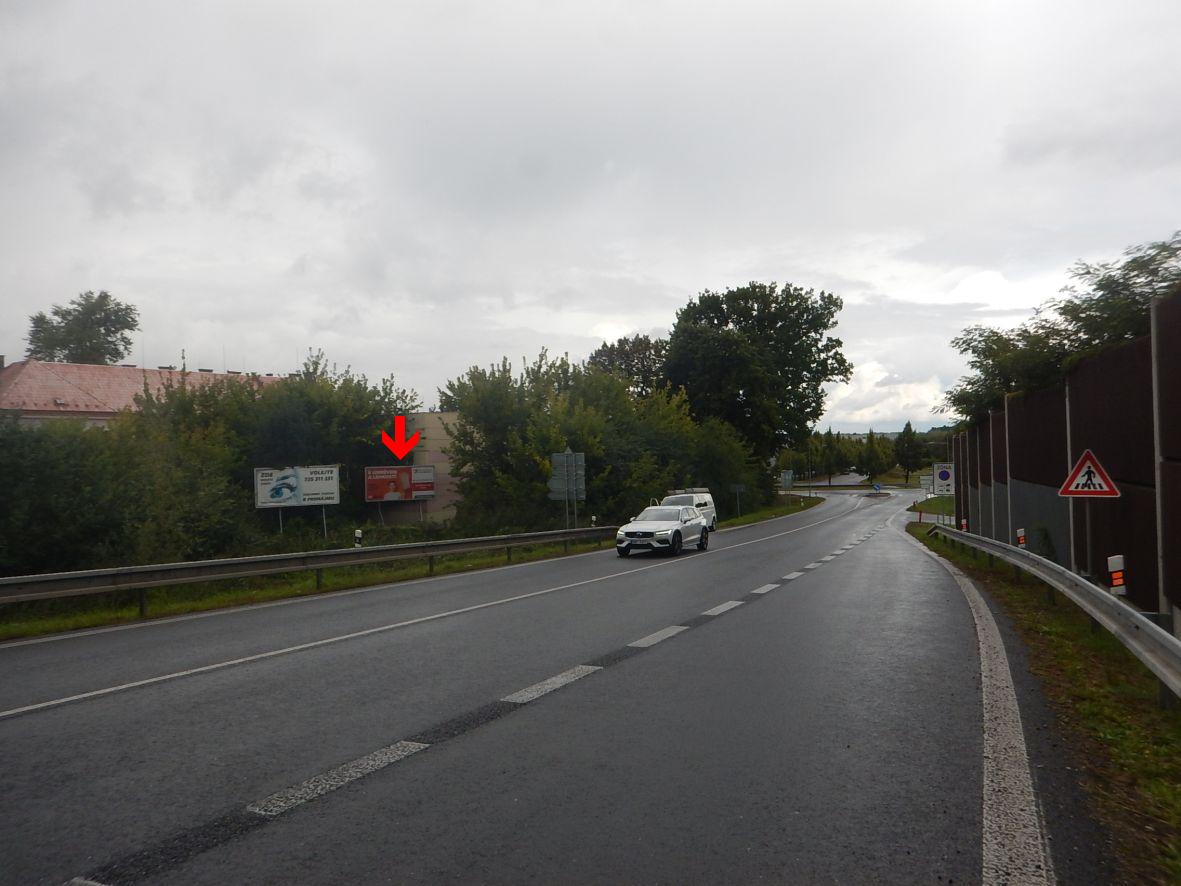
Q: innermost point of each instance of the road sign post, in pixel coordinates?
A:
(567, 481)
(1088, 480)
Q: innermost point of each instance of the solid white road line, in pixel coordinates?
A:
(662, 634)
(304, 646)
(556, 682)
(319, 785)
(792, 576)
(723, 607)
(1014, 840)
(312, 598)
(764, 589)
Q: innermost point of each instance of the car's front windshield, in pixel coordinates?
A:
(660, 514)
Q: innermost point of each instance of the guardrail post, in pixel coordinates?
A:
(566, 545)
(508, 553)
(1016, 574)
(1168, 701)
(1050, 598)
(143, 602)
(319, 579)
(430, 565)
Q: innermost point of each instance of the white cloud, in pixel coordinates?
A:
(418, 188)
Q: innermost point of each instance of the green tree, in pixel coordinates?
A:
(909, 452)
(1108, 302)
(90, 329)
(834, 456)
(639, 360)
(757, 357)
(875, 456)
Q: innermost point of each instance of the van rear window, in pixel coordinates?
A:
(678, 500)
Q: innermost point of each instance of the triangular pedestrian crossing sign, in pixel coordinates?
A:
(1088, 479)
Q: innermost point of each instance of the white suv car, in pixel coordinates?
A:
(663, 529)
(697, 497)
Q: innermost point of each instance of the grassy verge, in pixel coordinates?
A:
(50, 616)
(793, 505)
(940, 504)
(1106, 702)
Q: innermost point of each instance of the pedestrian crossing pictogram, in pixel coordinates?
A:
(1088, 479)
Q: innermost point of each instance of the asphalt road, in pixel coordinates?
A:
(800, 703)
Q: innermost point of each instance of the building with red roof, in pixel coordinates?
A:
(37, 391)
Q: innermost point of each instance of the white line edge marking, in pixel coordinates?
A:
(662, 634)
(319, 785)
(313, 644)
(792, 576)
(385, 586)
(1014, 847)
(723, 607)
(765, 589)
(557, 681)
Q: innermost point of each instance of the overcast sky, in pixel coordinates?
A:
(417, 188)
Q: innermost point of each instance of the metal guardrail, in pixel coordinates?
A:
(99, 581)
(1159, 650)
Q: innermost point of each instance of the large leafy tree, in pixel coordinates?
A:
(639, 360)
(637, 447)
(909, 451)
(1108, 302)
(90, 329)
(875, 456)
(757, 357)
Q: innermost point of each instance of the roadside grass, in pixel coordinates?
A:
(1107, 703)
(29, 619)
(897, 477)
(940, 504)
(794, 504)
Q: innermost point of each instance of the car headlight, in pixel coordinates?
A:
(664, 533)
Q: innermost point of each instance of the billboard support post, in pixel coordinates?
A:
(324, 517)
(280, 521)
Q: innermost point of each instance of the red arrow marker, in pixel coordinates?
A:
(398, 444)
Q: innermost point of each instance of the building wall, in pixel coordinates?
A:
(429, 451)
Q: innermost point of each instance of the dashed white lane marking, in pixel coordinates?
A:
(792, 576)
(662, 634)
(765, 589)
(827, 558)
(1014, 841)
(314, 644)
(556, 682)
(813, 565)
(317, 786)
(723, 607)
(82, 881)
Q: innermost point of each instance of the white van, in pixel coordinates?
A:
(695, 497)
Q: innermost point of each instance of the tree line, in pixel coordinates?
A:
(1105, 304)
(739, 377)
(175, 480)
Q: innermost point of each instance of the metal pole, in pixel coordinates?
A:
(324, 517)
(1069, 465)
(1164, 605)
(1087, 517)
(280, 520)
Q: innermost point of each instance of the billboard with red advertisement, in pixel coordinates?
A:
(400, 483)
